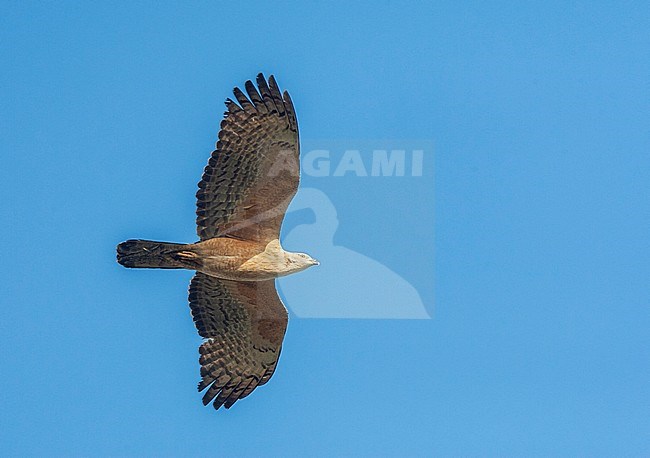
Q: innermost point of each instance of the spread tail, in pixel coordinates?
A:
(150, 254)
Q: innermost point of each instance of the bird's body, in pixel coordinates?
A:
(245, 190)
(221, 257)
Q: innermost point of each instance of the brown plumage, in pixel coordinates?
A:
(243, 195)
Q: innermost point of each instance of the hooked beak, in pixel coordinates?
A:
(315, 263)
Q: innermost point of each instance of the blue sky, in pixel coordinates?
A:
(534, 264)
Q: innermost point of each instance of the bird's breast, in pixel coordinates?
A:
(265, 265)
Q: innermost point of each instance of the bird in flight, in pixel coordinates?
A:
(244, 192)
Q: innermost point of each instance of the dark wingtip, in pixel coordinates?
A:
(248, 85)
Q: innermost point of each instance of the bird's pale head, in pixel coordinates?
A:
(299, 261)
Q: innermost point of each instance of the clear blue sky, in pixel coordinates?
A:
(539, 113)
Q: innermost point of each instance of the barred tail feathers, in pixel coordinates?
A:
(150, 254)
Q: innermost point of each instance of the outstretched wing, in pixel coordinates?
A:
(254, 172)
(243, 324)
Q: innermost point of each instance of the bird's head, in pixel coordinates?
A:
(299, 261)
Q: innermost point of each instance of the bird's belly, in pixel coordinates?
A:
(235, 268)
